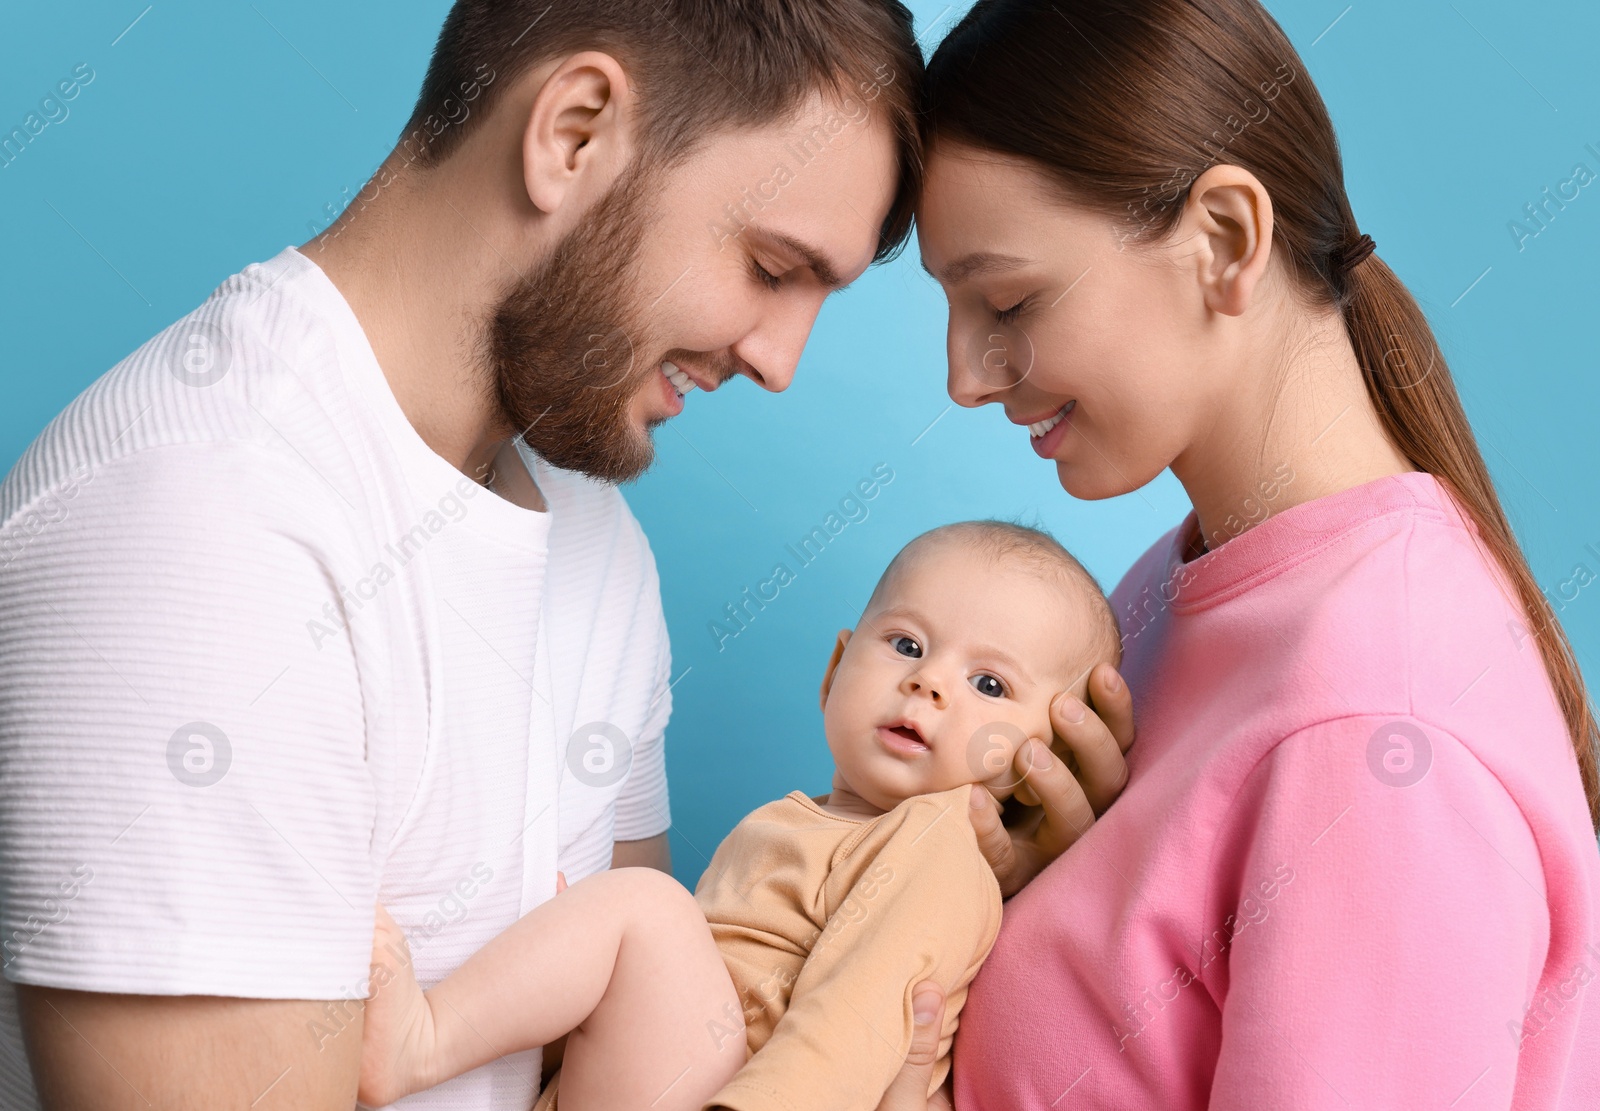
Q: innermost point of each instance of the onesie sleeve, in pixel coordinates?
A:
(185, 803)
(1380, 922)
(925, 906)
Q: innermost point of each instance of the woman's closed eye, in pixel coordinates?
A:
(1008, 316)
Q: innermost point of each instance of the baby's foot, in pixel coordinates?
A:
(397, 1034)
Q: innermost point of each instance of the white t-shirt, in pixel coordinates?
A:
(266, 658)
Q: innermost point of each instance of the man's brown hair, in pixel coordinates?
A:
(700, 67)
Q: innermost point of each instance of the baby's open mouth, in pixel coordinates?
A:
(903, 734)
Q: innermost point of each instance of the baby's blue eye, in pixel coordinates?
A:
(906, 647)
(989, 685)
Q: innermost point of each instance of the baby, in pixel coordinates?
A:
(823, 912)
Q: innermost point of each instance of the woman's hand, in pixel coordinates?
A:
(909, 1092)
(1060, 807)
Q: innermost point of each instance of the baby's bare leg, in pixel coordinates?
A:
(623, 960)
(669, 1032)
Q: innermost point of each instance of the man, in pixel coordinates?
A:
(326, 595)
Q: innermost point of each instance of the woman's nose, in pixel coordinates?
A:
(963, 388)
(983, 364)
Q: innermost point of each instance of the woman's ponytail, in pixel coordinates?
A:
(1411, 387)
(1125, 105)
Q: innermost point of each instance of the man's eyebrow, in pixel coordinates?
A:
(978, 262)
(813, 258)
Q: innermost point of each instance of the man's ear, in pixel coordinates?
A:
(1229, 221)
(833, 665)
(580, 123)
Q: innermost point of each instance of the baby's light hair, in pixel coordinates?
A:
(1003, 540)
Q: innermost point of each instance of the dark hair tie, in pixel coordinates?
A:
(1353, 255)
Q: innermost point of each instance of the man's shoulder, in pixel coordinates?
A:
(248, 374)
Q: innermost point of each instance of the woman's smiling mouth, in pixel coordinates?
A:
(1045, 436)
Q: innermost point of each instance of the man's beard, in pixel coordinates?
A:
(567, 351)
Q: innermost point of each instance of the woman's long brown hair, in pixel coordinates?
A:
(1123, 103)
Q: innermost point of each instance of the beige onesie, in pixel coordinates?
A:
(826, 923)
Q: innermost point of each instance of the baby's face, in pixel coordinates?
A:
(951, 670)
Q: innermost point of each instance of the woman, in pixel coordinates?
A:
(1355, 861)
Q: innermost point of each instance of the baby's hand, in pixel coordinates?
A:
(397, 1035)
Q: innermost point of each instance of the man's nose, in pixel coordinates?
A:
(775, 378)
(771, 351)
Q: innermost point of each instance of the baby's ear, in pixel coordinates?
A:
(833, 665)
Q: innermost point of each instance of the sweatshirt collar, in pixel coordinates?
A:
(1291, 535)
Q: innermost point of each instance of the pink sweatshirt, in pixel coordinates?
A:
(1353, 867)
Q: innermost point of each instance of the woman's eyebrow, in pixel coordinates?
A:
(978, 262)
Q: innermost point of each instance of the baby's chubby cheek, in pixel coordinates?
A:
(988, 754)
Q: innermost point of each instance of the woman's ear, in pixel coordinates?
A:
(1230, 222)
(580, 123)
(833, 665)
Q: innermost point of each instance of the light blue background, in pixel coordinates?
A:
(217, 132)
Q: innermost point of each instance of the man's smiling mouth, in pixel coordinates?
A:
(677, 378)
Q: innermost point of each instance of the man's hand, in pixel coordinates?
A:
(909, 1091)
(1060, 807)
(189, 1052)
